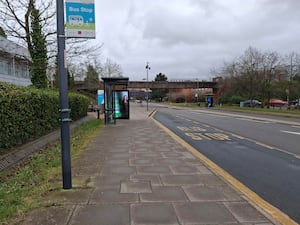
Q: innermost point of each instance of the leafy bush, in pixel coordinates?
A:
(27, 113)
(231, 99)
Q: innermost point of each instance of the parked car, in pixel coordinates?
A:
(251, 103)
(278, 103)
(295, 104)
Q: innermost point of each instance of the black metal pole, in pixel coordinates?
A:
(63, 96)
(147, 90)
(147, 68)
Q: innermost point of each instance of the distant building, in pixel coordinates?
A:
(14, 63)
(281, 73)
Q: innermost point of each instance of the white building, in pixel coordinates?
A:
(14, 63)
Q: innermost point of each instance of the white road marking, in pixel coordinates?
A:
(252, 120)
(290, 132)
(214, 115)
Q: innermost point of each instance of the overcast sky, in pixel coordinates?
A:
(186, 39)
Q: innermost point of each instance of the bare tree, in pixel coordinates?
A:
(111, 69)
(270, 61)
(15, 19)
(249, 66)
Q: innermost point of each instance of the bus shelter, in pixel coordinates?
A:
(116, 99)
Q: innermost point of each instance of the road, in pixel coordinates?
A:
(261, 152)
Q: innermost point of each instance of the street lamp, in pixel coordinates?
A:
(197, 92)
(147, 90)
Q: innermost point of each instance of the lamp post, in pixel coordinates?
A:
(147, 90)
(197, 93)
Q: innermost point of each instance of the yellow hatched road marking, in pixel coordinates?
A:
(190, 128)
(218, 136)
(197, 136)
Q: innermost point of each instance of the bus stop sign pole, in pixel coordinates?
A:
(63, 97)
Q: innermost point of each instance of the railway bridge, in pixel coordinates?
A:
(134, 85)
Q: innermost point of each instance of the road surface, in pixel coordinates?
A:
(262, 153)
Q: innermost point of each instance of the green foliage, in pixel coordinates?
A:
(78, 105)
(92, 77)
(231, 99)
(71, 80)
(23, 187)
(2, 33)
(38, 52)
(160, 93)
(26, 113)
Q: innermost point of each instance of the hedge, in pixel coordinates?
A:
(27, 113)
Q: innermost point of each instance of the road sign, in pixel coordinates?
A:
(80, 18)
(100, 97)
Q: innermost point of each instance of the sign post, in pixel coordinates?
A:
(63, 97)
(80, 18)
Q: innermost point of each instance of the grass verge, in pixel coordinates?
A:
(265, 111)
(271, 111)
(23, 186)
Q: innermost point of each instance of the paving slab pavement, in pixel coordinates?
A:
(133, 173)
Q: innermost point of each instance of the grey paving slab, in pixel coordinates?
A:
(91, 170)
(87, 162)
(120, 150)
(212, 180)
(188, 155)
(164, 194)
(244, 212)
(204, 170)
(118, 156)
(140, 150)
(153, 170)
(172, 154)
(169, 161)
(230, 193)
(101, 215)
(141, 162)
(112, 196)
(185, 169)
(154, 179)
(119, 170)
(203, 213)
(136, 186)
(204, 193)
(49, 216)
(150, 214)
(193, 161)
(108, 182)
(148, 154)
(116, 162)
(74, 196)
(180, 180)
